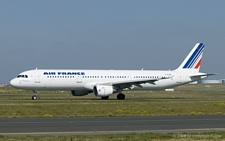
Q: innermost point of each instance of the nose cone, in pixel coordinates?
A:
(14, 82)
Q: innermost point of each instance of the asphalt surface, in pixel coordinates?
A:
(110, 125)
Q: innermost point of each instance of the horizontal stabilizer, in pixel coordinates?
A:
(202, 74)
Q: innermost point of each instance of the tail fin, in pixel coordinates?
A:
(193, 60)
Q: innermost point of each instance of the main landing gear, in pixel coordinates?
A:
(34, 97)
(105, 97)
(120, 96)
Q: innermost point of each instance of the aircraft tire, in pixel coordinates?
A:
(120, 96)
(105, 97)
(34, 97)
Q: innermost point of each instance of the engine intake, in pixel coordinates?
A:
(101, 90)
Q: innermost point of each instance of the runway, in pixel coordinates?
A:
(110, 125)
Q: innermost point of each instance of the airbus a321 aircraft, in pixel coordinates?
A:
(104, 83)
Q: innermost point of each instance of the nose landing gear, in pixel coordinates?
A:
(34, 97)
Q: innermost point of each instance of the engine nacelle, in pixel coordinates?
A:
(101, 90)
(80, 92)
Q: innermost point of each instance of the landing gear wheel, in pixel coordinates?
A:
(120, 96)
(105, 97)
(34, 97)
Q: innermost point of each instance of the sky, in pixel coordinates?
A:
(109, 34)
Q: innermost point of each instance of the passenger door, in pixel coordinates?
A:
(37, 77)
(179, 78)
(79, 79)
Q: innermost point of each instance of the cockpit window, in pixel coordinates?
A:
(22, 76)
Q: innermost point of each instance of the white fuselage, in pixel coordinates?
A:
(86, 79)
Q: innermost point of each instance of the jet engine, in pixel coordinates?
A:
(101, 90)
(79, 92)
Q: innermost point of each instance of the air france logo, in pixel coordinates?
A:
(195, 59)
(64, 73)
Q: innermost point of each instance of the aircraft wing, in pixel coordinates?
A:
(128, 84)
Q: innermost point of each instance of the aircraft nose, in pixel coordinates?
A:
(14, 82)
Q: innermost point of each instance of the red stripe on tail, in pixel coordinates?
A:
(199, 63)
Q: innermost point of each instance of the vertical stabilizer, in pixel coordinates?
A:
(193, 60)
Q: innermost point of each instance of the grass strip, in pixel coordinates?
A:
(122, 137)
(100, 108)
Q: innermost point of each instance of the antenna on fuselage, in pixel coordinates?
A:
(36, 68)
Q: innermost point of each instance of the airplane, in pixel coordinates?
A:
(104, 83)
